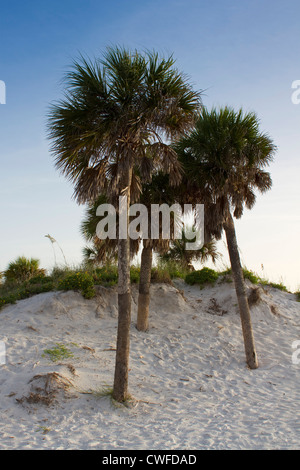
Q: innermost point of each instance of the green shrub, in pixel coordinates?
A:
(106, 275)
(40, 279)
(134, 274)
(175, 269)
(202, 276)
(256, 279)
(251, 276)
(279, 286)
(9, 294)
(22, 269)
(159, 274)
(82, 282)
(9, 299)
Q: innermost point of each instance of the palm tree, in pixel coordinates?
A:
(224, 159)
(116, 117)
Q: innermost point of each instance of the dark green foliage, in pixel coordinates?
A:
(22, 269)
(203, 276)
(279, 286)
(251, 276)
(11, 293)
(82, 282)
(256, 279)
(134, 274)
(107, 274)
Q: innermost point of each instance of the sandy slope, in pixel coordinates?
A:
(190, 385)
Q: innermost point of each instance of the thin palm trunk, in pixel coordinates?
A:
(120, 388)
(240, 288)
(144, 288)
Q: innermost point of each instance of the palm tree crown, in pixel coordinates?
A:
(224, 158)
(117, 113)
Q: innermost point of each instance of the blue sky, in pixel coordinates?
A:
(242, 53)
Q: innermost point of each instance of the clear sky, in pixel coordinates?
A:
(242, 53)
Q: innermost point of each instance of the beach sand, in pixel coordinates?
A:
(189, 383)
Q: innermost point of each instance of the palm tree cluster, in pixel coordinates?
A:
(131, 125)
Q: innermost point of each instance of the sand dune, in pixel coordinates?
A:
(189, 382)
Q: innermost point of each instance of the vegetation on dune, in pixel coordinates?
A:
(84, 279)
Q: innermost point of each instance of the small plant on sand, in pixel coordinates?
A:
(43, 429)
(107, 391)
(58, 353)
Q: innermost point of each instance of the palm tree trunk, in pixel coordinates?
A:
(120, 388)
(144, 288)
(240, 288)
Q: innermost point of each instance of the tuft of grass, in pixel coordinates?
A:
(58, 353)
(104, 391)
(44, 429)
(251, 276)
(107, 391)
(256, 279)
(279, 286)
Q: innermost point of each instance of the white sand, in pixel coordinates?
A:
(190, 385)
